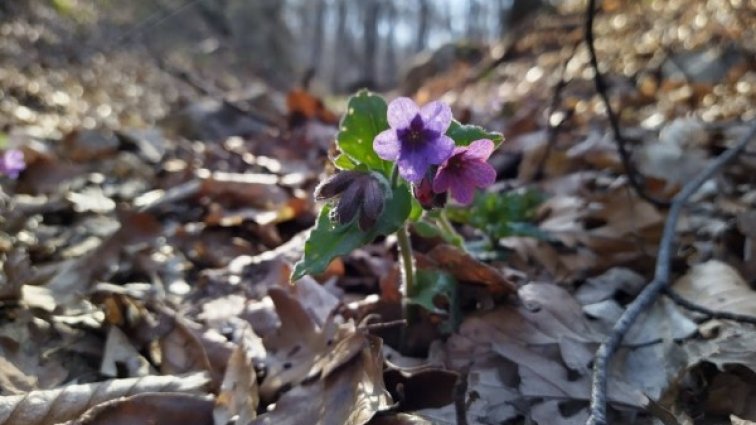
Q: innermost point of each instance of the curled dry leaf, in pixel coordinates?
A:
(465, 268)
(151, 408)
(63, 404)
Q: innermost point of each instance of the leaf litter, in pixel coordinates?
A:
(146, 275)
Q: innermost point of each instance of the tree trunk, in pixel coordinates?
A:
(372, 12)
(421, 42)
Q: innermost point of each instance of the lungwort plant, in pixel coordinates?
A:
(396, 163)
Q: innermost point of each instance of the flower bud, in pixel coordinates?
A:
(424, 193)
(359, 193)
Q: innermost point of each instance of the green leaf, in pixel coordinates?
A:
(500, 215)
(328, 240)
(426, 229)
(344, 162)
(432, 285)
(463, 135)
(417, 210)
(365, 118)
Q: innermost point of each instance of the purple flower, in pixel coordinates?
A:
(465, 170)
(416, 139)
(359, 193)
(424, 193)
(12, 163)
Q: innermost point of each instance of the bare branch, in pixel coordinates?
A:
(661, 279)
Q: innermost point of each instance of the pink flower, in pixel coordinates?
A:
(465, 170)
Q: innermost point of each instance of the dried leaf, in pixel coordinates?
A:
(350, 394)
(54, 406)
(717, 286)
(151, 408)
(239, 393)
(465, 268)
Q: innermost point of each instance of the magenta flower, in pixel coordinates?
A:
(12, 163)
(416, 139)
(465, 170)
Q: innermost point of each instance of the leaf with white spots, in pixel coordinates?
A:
(365, 119)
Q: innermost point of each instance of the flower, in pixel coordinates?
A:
(416, 139)
(465, 170)
(358, 192)
(12, 163)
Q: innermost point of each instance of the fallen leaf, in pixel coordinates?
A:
(54, 406)
(151, 409)
(717, 286)
(239, 394)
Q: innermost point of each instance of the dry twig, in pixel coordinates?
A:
(661, 278)
(714, 314)
(634, 178)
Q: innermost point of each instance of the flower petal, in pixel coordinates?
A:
(462, 191)
(412, 165)
(443, 180)
(335, 184)
(372, 204)
(387, 145)
(401, 111)
(439, 150)
(478, 173)
(480, 149)
(437, 116)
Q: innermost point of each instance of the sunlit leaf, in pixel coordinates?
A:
(464, 134)
(329, 240)
(365, 118)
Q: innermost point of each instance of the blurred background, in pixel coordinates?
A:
(343, 43)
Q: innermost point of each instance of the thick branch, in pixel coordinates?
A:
(661, 279)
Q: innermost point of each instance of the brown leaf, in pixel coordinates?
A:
(295, 346)
(239, 393)
(717, 286)
(151, 408)
(119, 350)
(76, 276)
(54, 406)
(465, 268)
(349, 394)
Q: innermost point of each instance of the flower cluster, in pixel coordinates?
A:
(428, 158)
(12, 163)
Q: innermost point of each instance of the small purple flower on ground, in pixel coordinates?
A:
(465, 170)
(416, 139)
(12, 163)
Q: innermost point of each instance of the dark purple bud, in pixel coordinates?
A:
(358, 192)
(349, 204)
(372, 205)
(335, 184)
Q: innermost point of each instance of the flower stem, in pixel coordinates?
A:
(450, 234)
(408, 264)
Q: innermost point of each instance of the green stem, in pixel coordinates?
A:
(450, 233)
(408, 264)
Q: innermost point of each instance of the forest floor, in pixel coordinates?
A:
(146, 249)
